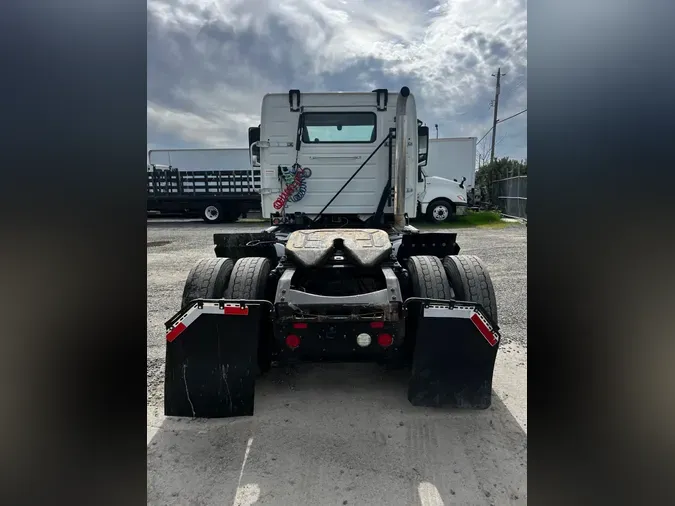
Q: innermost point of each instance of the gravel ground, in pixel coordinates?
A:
(340, 433)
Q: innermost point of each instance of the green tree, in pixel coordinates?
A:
(500, 169)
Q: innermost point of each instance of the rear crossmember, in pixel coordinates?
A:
(212, 347)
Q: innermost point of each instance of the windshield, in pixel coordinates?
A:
(339, 127)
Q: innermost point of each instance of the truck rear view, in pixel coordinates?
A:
(339, 275)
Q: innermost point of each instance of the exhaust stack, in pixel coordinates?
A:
(401, 156)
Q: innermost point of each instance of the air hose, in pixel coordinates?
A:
(296, 185)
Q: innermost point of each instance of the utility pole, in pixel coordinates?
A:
(494, 121)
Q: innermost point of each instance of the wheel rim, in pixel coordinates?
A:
(440, 212)
(211, 213)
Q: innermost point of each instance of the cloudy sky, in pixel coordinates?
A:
(211, 61)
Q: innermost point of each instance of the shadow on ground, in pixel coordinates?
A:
(339, 434)
(166, 223)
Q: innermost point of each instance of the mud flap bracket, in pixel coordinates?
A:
(211, 358)
(455, 350)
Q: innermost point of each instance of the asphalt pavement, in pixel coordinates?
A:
(339, 434)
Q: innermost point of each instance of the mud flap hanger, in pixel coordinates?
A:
(435, 308)
(179, 322)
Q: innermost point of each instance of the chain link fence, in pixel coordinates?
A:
(510, 196)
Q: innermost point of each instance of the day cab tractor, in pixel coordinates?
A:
(340, 274)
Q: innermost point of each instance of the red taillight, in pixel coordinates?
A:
(300, 325)
(292, 341)
(377, 325)
(385, 340)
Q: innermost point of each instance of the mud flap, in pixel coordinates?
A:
(211, 359)
(454, 356)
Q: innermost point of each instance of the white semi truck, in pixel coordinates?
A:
(436, 198)
(218, 185)
(340, 275)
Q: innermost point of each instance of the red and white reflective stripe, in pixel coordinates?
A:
(235, 309)
(476, 318)
(175, 331)
(230, 309)
(483, 329)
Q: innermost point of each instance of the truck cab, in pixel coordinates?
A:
(439, 198)
(330, 136)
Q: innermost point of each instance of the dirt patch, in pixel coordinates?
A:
(154, 244)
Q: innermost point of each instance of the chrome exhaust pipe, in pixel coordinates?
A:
(401, 156)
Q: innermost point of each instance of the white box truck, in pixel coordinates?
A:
(219, 185)
(453, 158)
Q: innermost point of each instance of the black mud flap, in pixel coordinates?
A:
(454, 357)
(211, 358)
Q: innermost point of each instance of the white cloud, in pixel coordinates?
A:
(445, 51)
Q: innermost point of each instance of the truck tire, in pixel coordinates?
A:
(440, 211)
(207, 279)
(428, 278)
(212, 213)
(249, 281)
(471, 282)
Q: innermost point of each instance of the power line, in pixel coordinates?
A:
(499, 121)
(517, 114)
(512, 89)
(484, 135)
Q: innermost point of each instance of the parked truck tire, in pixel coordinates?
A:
(207, 279)
(249, 281)
(428, 278)
(216, 212)
(212, 213)
(471, 281)
(440, 211)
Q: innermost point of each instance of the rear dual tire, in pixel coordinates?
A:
(216, 278)
(471, 282)
(245, 279)
(428, 279)
(207, 279)
(249, 281)
(459, 277)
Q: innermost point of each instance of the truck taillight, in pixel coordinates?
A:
(385, 340)
(292, 341)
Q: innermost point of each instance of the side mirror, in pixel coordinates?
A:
(253, 149)
(422, 145)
